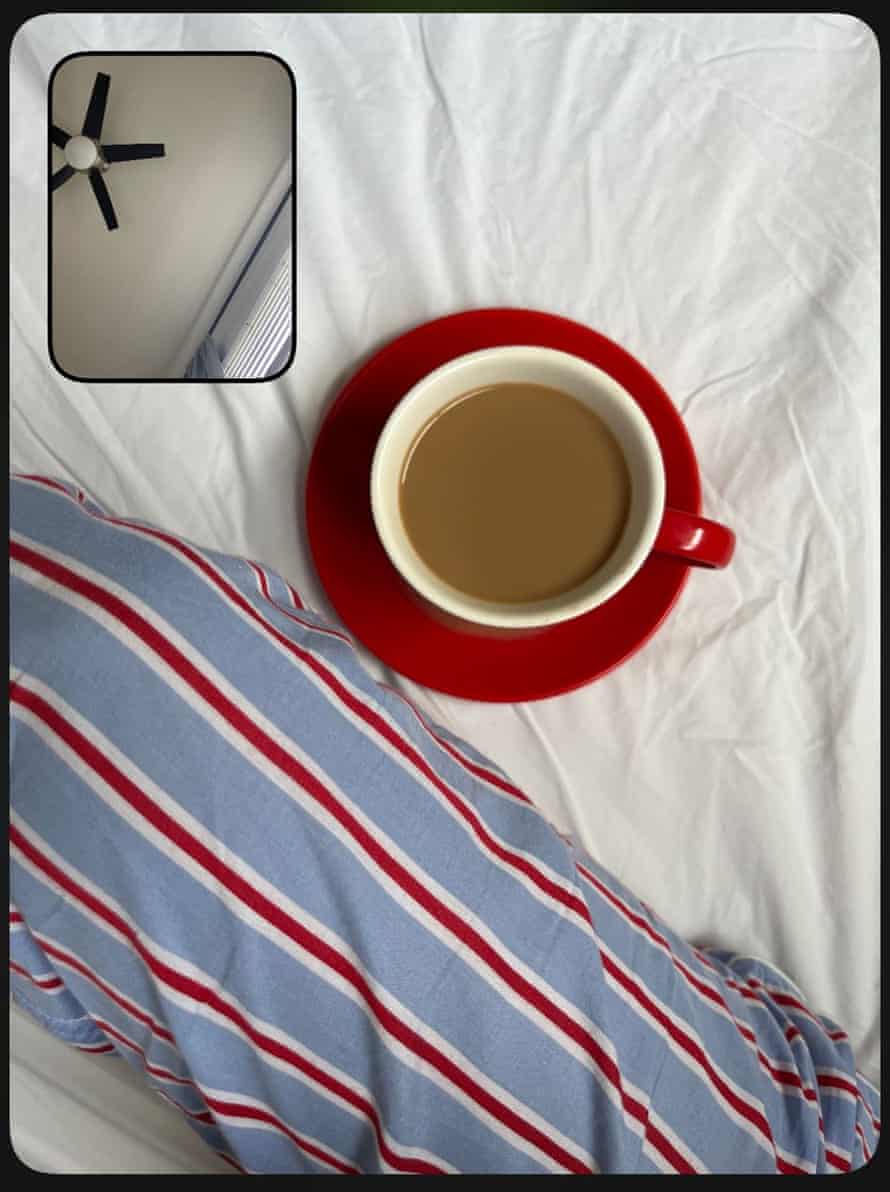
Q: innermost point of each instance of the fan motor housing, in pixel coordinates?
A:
(84, 154)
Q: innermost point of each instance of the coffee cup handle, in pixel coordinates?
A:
(695, 540)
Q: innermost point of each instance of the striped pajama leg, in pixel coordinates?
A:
(337, 938)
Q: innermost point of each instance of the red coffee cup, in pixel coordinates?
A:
(650, 526)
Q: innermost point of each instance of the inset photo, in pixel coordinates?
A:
(172, 217)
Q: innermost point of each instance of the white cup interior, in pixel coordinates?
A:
(541, 366)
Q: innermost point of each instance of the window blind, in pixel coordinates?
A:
(267, 330)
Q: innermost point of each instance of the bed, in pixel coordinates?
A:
(704, 190)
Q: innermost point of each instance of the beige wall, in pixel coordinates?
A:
(124, 302)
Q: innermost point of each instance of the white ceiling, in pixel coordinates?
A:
(124, 302)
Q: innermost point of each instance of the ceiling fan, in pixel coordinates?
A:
(85, 155)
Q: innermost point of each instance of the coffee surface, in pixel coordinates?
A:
(514, 493)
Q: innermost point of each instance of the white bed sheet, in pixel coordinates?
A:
(702, 188)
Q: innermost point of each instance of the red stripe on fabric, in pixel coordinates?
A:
(95, 1048)
(783, 1167)
(836, 1161)
(481, 771)
(336, 963)
(152, 1069)
(693, 1049)
(44, 480)
(234, 1109)
(74, 962)
(706, 960)
(656, 936)
(751, 995)
(203, 1116)
(653, 1135)
(271, 1047)
(748, 991)
(624, 909)
(628, 913)
(717, 998)
(828, 1081)
(792, 1033)
(748, 994)
(40, 982)
(781, 998)
(233, 1162)
(866, 1151)
(779, 1076)
(569, 900)
(325, 630)
(261, 578)
(15, 917)
(294, 770)
(473, 767)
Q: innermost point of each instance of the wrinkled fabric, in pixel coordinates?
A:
(332, 937)
(703, 189)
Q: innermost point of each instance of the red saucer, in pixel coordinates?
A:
(372, 598)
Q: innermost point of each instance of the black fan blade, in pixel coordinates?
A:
(92, 122)
(103, 198)
(131, 152)
(58, 136)
(60, 176)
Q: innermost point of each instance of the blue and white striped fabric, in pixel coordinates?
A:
(337, 938)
